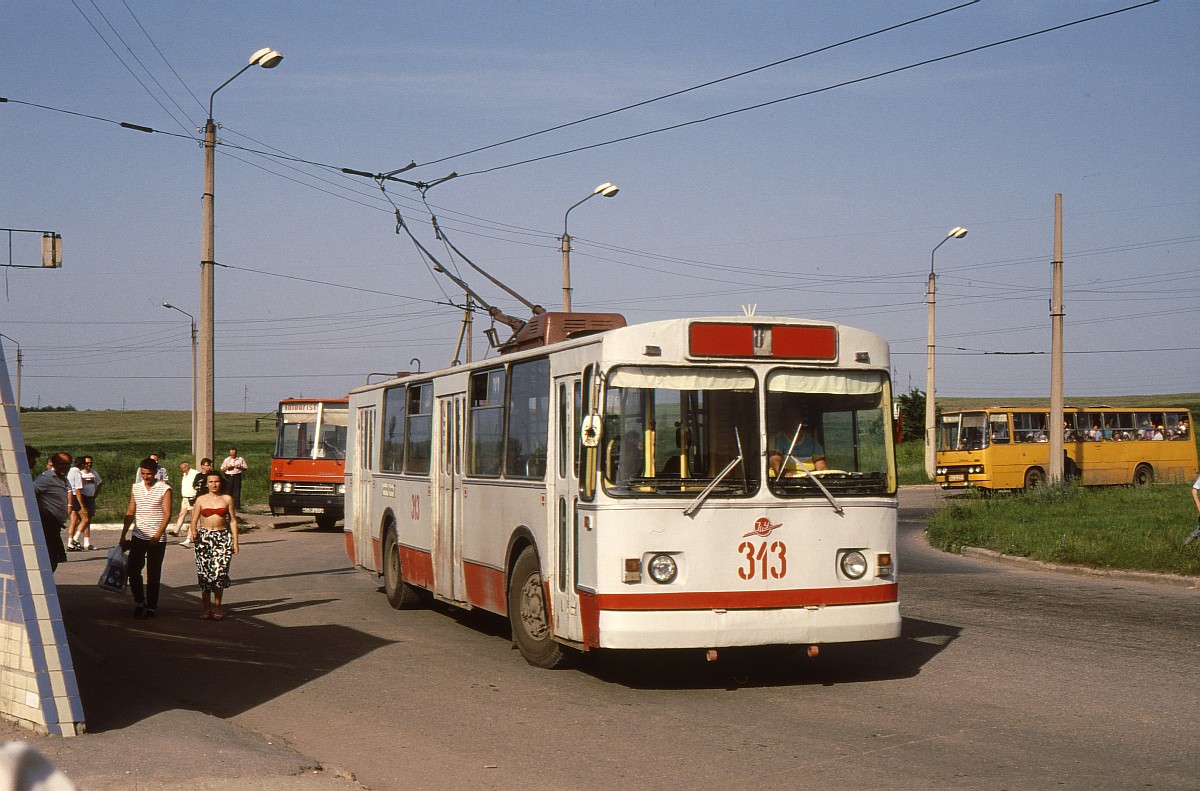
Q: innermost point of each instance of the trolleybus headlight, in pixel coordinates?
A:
(854, 564)
(662, 569)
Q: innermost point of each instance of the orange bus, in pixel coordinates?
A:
(1009, 448)
(308, 468)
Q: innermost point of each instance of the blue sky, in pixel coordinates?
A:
(825, 206)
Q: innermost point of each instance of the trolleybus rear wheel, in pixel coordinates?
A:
(1143, 475)
(528, 614)
(400, 594)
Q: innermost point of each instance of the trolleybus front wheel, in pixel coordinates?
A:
(528, 614)
(400, 594)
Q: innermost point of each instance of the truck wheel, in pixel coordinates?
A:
(326, 521)
(400, 594)
(528, 614)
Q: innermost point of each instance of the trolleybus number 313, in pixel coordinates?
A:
(769, 555)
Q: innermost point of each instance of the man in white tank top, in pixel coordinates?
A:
(149, 513)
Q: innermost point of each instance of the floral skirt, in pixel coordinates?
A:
(214, 551)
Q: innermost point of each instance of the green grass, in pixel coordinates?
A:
(1100, 527)
(118, 440)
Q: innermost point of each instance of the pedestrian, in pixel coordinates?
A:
(233, 467)
(190, 482)
(214, 531)
(162, 474)
(90, 483)
(1196, 499)
(149, 513)
(53, 497)
(74, 503)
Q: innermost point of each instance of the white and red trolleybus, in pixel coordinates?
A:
(693, 483)
(308, 468)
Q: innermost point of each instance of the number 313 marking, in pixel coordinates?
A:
(761, 559)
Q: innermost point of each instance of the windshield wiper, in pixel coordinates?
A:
(789, 457)
(694, 506)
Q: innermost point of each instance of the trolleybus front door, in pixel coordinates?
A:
(565, 514)
(447, 550)
(361, 525)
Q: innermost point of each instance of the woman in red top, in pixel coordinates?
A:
(214, 531)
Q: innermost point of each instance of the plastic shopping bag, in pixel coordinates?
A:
(113, 576)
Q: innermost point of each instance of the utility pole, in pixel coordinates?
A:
(1056, 428)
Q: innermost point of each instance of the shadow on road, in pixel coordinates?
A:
(130, 670)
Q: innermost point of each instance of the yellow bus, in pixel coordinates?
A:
(1009, 448)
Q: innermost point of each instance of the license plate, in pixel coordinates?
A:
(312, 510)
(956, 478)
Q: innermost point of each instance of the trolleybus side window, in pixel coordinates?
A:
(833, 426)
(391, 450)
(485, 432)
(672, 431)
(419, 430)
(528, 419)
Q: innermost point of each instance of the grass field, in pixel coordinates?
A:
(118, 440)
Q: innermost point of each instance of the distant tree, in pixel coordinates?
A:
(912, 415)
(67, 408)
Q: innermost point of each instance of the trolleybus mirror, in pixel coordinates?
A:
(591, 431)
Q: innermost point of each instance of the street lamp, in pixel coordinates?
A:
(206, 393)
(168, 305)
(930, 406)
(605, 190)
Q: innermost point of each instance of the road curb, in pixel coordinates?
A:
(1176, 580)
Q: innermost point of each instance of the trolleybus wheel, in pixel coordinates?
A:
(1143, 475)
(1035, 478)
(528, 614)
(400, 594)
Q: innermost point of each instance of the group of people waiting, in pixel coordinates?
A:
(66, 497)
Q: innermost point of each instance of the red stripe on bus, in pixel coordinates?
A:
(746, 600)
(485, 587)
(350, 548)
(589, 617)
(416, 567)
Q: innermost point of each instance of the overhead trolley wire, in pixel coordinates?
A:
(707, 84)
(804, 94)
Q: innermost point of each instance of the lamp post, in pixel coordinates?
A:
(605, 190)
(202, 444)
(930, 405)
(168, 305)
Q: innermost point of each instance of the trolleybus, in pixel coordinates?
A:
(1009, 448)
(692, 483)
(308, 468)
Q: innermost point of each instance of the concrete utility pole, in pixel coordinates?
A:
(957, 232)
(1056, 428)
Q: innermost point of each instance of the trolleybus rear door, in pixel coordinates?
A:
(361, 523)
(565, 513)
(447, 549)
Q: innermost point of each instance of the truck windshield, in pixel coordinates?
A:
(671, 431)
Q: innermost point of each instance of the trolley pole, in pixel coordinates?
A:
(1056, 428)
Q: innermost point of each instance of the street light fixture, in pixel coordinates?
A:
(168, 305)
(930, 406)
(605, 190)
(202, 445)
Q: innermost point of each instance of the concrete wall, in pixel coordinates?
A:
(37, 679)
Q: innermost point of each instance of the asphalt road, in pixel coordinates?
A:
(1004, 678)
